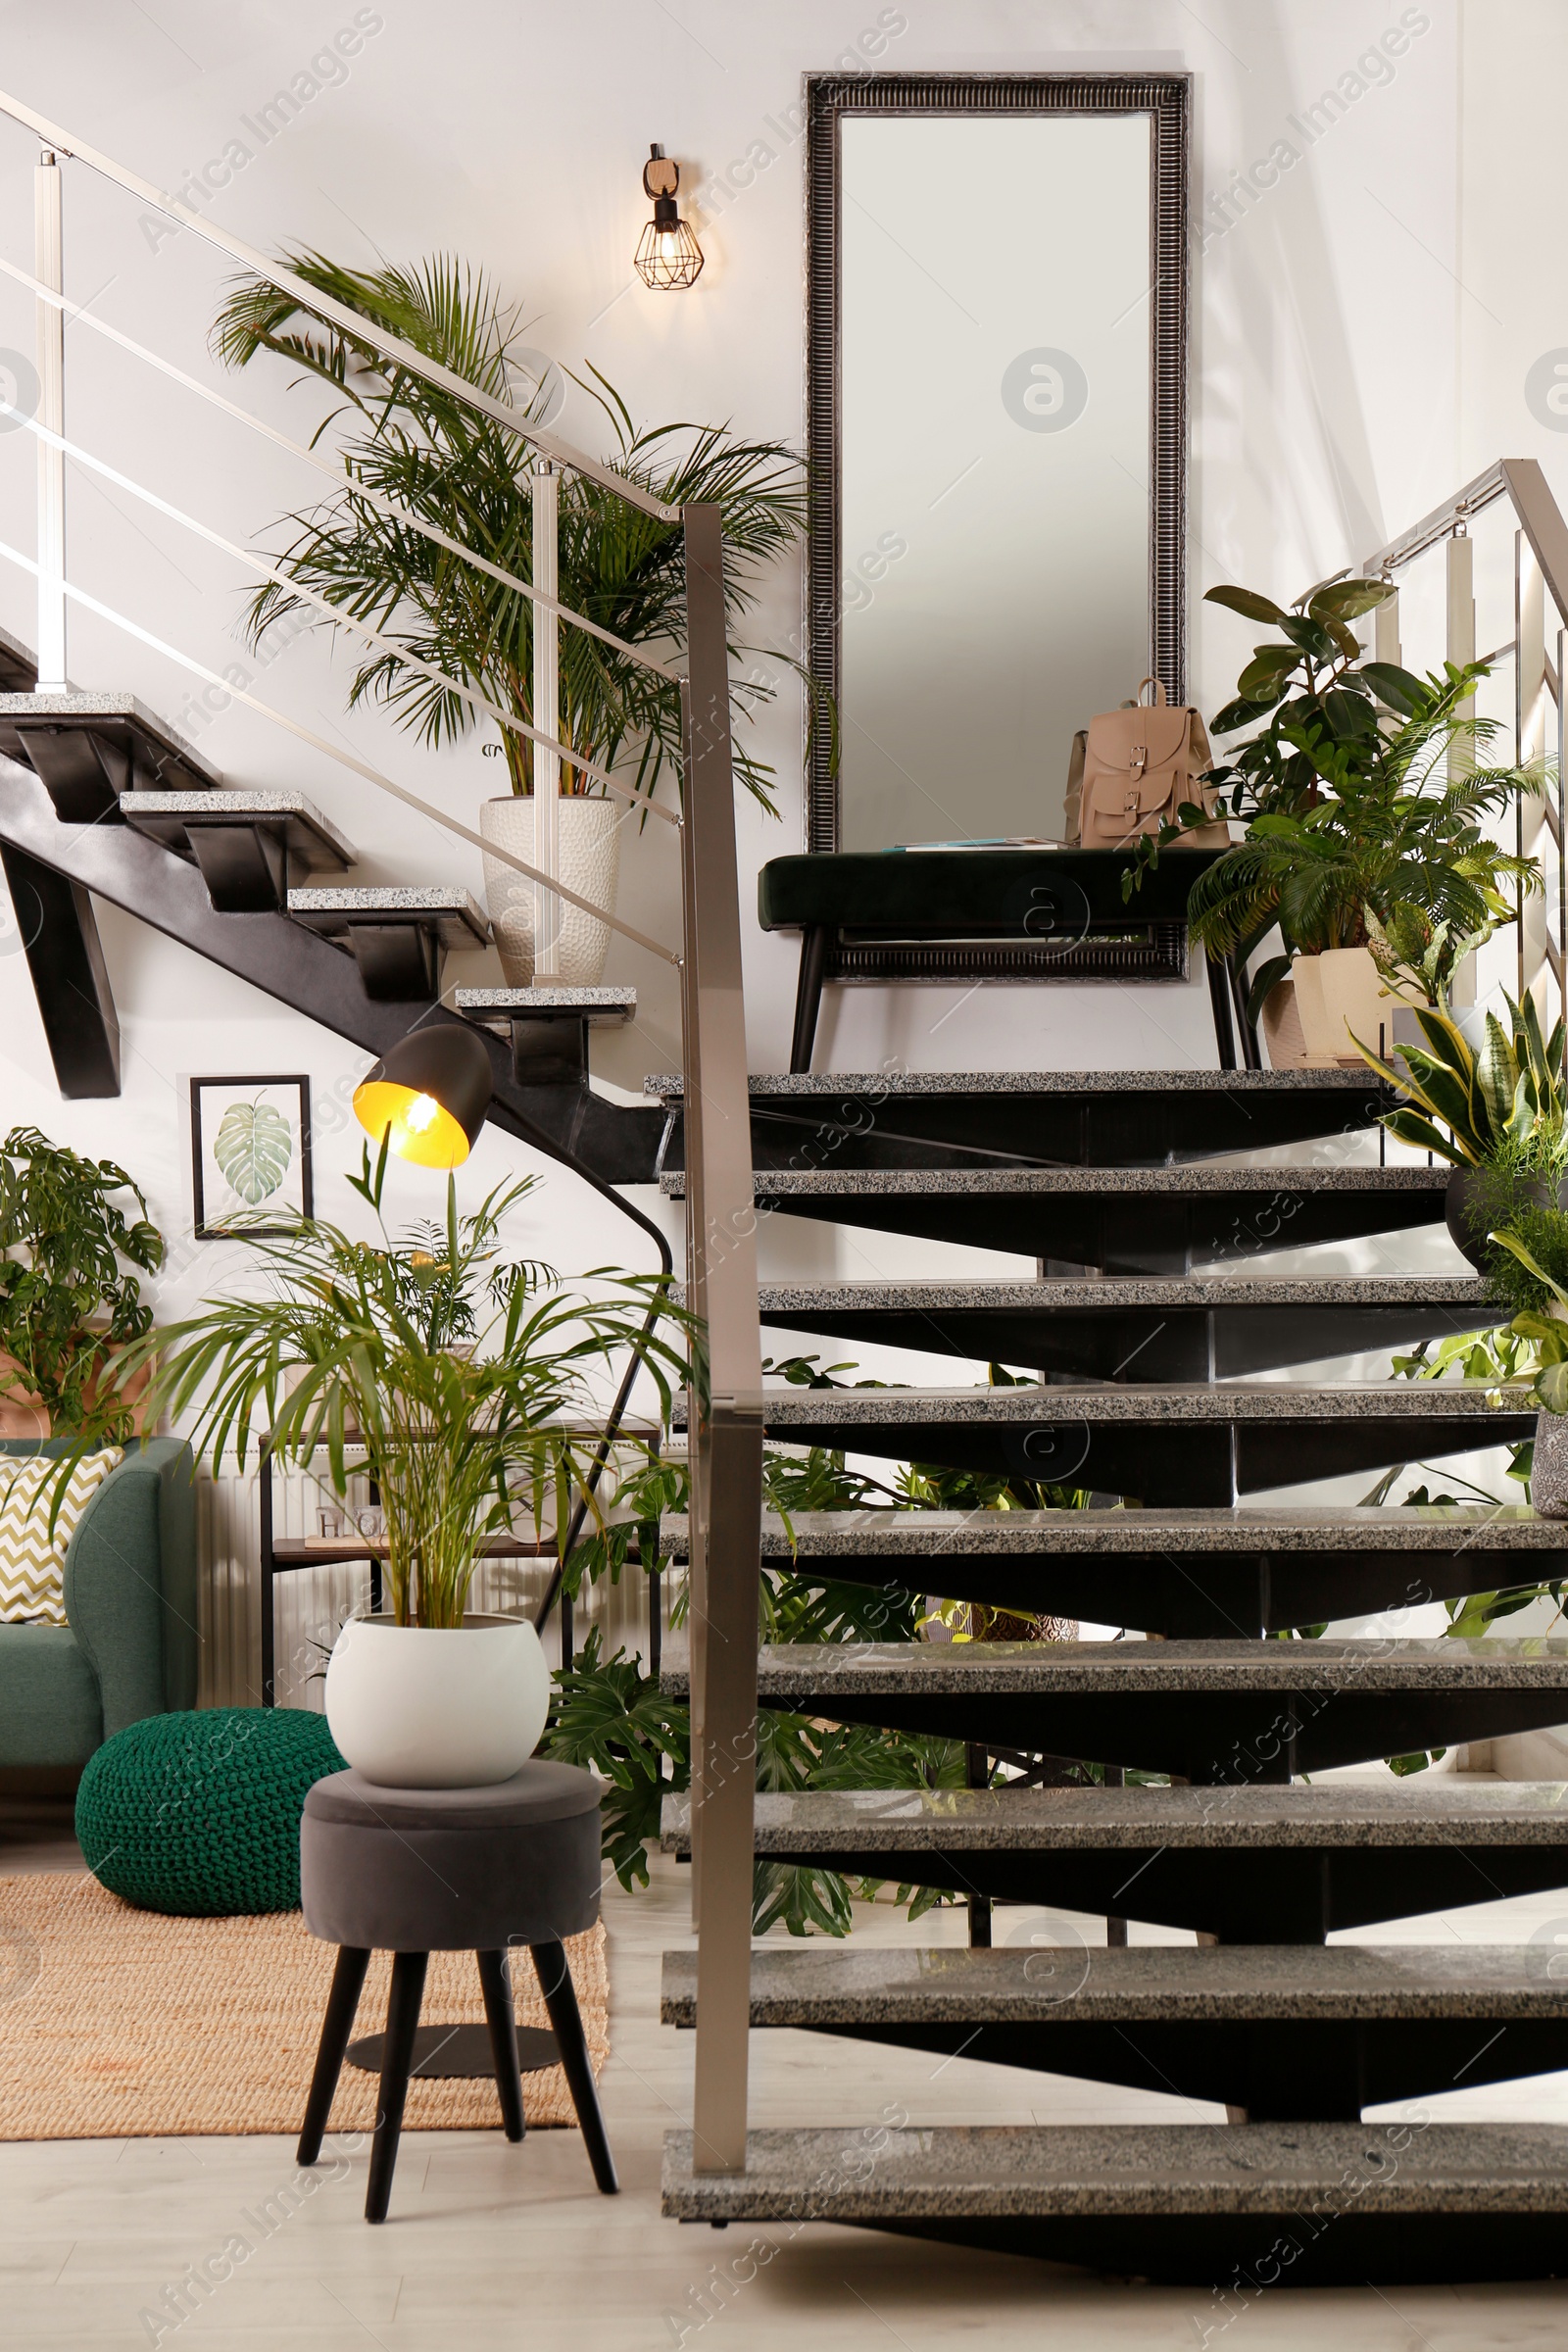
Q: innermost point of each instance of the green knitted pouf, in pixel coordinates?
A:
(199, 1814)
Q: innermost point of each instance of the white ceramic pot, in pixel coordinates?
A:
(1282, 1028)
(416, 1706)
(590, 864)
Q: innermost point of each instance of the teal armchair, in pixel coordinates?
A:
(129, 1648)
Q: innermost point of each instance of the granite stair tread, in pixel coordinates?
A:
(168, 817)
(1111, 1294)
(836, 1983)
(452, 910)
(1431, 1811)
(791, 1672)
(813, 1086)
(833, 1535)
(877, 2174)
(1194, 1178)
(1465, 1401)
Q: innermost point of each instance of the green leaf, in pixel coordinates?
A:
(1260, 686)
(254, 1147)
(1348, 599)
(1399, 688)
(1244, 711)
(1247, 601)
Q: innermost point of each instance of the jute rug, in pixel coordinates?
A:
(123, 2024)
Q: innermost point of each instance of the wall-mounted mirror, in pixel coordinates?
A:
(998, 329)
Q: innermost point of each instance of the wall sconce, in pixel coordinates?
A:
(667, 253)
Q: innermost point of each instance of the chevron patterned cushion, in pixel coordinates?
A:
(33, 1558)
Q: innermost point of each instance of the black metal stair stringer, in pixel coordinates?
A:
(283, 959)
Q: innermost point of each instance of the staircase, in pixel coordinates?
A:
(1131, 1190)
(1142, 1332)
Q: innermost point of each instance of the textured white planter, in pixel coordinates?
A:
(416, 1706)
(590, 864)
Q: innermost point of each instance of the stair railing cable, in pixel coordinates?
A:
(338, 475)
(725, 1418)
(1540, 579)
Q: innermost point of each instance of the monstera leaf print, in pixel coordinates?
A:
(254, 1147)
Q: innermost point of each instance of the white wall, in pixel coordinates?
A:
(1347, 369)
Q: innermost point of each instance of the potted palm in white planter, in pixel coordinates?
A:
(461, 1383)
(468, 479)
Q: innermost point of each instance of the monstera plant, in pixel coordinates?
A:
(254, 1147)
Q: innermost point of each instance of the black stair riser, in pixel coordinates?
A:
(1231, 1738)
(1241, 1893)
(1140, 1345)
(1278, 2070)
(864, 1129)
(1121, 1233)
(1232, 2258)
(1198, 1597)
(1166, 1463)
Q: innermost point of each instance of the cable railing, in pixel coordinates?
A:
(725, 1412)
(1538, 648)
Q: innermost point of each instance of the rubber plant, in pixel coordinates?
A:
(412, 449)
(1361, 798)
(69, 1306)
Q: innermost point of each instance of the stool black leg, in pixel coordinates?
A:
(348, 1977)
(401, 2022)
(809, 996)
(495, 1978)
(555, 1983)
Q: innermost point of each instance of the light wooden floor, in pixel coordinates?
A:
(492, 2247)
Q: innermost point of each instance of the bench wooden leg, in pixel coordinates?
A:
(402, 2023)
(347, 1979)
(809, 997)
(495, 1978)
(555, 1983)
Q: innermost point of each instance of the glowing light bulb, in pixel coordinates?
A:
(421, 1114)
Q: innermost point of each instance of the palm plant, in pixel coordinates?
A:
(436, 461)
(462, 1379)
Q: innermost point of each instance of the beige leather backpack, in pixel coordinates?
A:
(1133, 768)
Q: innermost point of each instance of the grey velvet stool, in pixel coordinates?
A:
(416, 1871)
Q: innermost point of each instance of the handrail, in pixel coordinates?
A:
(361, 767)
(288, 281)
(1519, 479)
(336, 615)
(340, 478)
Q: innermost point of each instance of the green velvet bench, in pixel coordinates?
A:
(130, 1648)
(1024, 915)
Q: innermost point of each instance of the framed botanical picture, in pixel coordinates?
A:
(249, 1155)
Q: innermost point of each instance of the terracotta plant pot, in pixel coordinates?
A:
(416, 1706)
(590, 864)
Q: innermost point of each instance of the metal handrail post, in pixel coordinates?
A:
(49, 266)
(725, 1424)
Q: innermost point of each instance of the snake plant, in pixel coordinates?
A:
(1503, 1102)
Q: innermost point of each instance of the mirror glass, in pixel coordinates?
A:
(993, 464)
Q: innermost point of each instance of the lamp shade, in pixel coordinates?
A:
(432, 1092)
